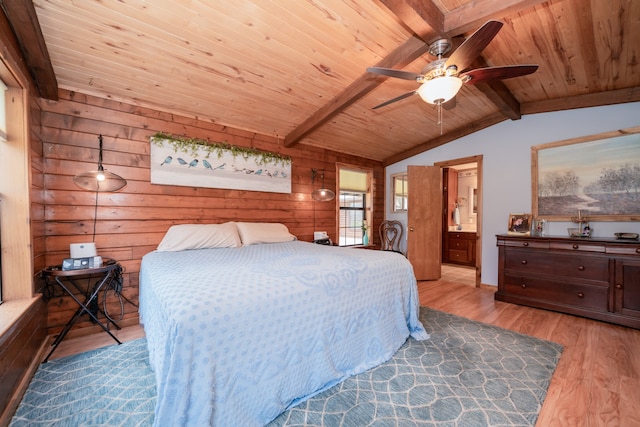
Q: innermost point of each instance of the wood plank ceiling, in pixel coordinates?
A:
(297, 69)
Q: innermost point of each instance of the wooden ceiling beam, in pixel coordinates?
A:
(475, 126)
(10, 49)
(421, 17)
(400, 57)
(475, 13)
(610, 97)
(24, 22)
(498, 93)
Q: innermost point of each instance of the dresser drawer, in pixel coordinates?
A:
(622, 249)
(462, 235)
(578, 295)
(458, 256)
(584, 245)
(524, 243)
(458, 244)
(556, 264)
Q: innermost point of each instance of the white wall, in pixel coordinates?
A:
(506, 180)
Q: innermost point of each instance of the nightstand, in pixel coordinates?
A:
(69, 281)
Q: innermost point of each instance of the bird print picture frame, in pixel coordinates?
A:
(199, 167)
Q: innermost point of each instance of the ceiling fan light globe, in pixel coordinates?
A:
(440, 89)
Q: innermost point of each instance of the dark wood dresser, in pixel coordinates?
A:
(597, 278)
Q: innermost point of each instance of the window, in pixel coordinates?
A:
(352, 214)
(400, 192)
(15, 190)
(355, 200)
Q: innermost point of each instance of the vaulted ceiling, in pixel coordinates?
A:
(296, 69)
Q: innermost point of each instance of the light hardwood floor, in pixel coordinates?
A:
(596, 383)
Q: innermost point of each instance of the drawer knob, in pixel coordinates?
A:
(638, 250)
(580, 295)
(618, 286)
(524, 261)
(581, 267)
(523, 286)
(525, 244)
(575, 246)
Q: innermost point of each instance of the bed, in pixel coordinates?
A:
(241, 330)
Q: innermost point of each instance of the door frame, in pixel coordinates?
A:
(478, 160)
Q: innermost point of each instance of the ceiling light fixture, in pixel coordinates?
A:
(440, 89)
(99, 180)
(321, 194)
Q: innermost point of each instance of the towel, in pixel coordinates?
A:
(456, 216)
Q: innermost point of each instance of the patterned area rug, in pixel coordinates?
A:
(467, 374)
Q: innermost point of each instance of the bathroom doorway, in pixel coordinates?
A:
(462, 217)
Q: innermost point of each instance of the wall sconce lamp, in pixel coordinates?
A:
(322, 194)
(99, 180)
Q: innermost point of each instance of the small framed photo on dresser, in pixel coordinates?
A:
(519, 224)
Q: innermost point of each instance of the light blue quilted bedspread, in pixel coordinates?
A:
(238, 335)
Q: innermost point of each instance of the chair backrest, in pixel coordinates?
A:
(391, 236)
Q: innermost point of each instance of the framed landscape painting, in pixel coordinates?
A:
(597, 176)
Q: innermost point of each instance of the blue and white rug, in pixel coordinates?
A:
(467, 374)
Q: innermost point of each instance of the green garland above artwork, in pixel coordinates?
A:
(195, 145)
(194, 162)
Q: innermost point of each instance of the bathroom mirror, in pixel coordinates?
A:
(473, 197)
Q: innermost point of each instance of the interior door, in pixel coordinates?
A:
(424, 222)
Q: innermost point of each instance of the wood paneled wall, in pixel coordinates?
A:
(132, 221)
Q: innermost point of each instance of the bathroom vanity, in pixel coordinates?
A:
(460, 248)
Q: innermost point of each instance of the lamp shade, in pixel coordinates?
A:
(323, 195)
(99, 180)
(440, 89)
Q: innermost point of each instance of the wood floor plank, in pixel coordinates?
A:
(629, 401)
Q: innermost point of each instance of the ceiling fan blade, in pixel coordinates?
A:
(481, 75)
(406, 75)
(471, 48)
(397, 98)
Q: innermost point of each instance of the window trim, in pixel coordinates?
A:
(369, 196)
(15, 162)
(405, 193)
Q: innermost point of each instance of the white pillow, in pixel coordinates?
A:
(200, 236)
(263, 232)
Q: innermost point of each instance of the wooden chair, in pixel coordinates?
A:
(391, 236)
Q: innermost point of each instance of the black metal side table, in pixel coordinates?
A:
(69, 281)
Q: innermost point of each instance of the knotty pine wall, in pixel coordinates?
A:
(132, 221)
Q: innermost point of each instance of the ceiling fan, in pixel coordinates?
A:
(442, 79)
